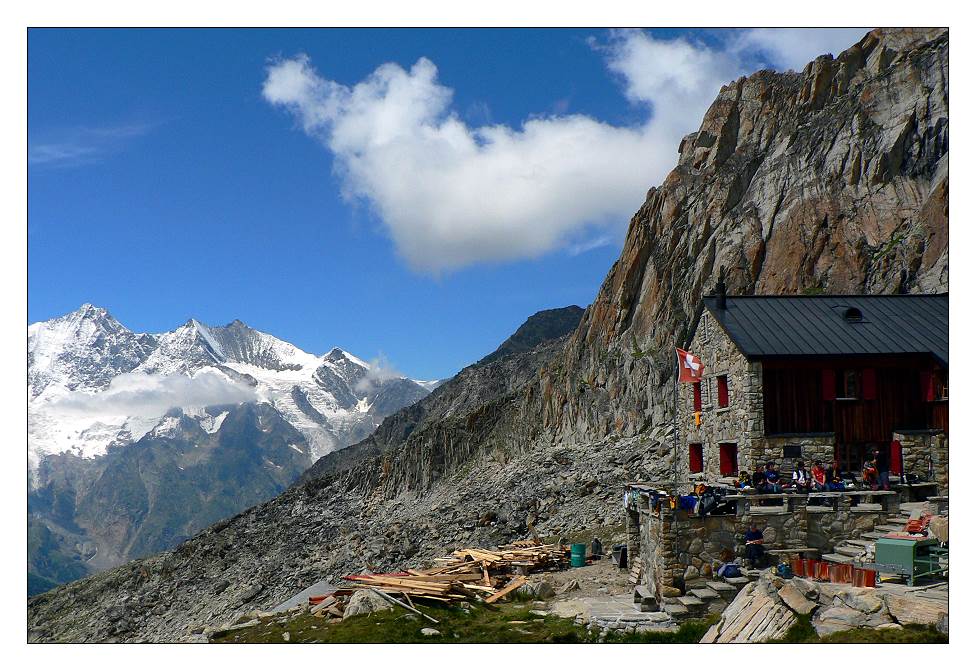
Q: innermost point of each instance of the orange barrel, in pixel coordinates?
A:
(824, 571)
(809, 568)
(796, 565)
(836, 573)
(858, 580)
(870, 577)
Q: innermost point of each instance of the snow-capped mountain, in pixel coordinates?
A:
(92, 383)
(138, 440)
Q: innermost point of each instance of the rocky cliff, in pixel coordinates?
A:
(833, 179)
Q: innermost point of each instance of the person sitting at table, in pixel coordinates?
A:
(870, 474)
(801, 477)
(772, 479)
(819, 476)
(883, 462)
(754, 546)
(835, 478)
(759, 479)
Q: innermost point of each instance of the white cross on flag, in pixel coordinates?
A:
(689, 366)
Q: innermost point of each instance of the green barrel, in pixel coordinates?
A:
(577, 554)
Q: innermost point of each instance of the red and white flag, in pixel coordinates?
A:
(689, 366)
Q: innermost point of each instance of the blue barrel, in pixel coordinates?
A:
(577, 554)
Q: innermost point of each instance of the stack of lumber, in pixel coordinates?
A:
(469, 573)
(326, 605)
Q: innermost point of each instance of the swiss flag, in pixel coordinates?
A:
(689, 366)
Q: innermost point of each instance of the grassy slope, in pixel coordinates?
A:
(803, 632)
(514, 623)
(507, 623)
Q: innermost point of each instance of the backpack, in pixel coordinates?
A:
(729, 571)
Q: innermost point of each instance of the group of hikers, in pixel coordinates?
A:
(767, 480)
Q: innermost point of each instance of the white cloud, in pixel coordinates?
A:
(793, 48)
(380, 371)
(141, 395)
(81, 145)
(451, 194)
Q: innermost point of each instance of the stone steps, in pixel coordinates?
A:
(704, 593)
(863, 542)
(873, 535)
(738, 582)
(723, 588)
(902, 521)
(676, 610)
(889, 528)
(691, 602)
(849, 550)
(836, 558)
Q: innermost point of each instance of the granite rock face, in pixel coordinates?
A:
(830, 180)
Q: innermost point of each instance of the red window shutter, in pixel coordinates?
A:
(723, 391)
(829, 383)
(696, 458)
(928, 385)
(895, 461)
(728, 462)
(697, 391)
(869, 384)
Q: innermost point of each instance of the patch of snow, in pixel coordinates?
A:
(212, 424)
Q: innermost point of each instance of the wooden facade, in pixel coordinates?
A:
(862, 401)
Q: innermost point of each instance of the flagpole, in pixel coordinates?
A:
(674, 440)
(674, 468)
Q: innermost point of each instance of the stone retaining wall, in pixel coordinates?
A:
(678, 548)
(926, 455)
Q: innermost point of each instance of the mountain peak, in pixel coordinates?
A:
(335, 354)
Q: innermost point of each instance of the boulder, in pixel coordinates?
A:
(571, 586)
(756, 614)
(365, 601)
(795, 599)
(906, 610)
(537, 590)
(838, 618)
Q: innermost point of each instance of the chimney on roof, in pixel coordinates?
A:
(720, 289)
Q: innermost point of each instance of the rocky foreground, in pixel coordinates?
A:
(767, 609)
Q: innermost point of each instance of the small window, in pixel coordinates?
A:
(696, 458)
(941, 383)
(728, 459)
(696, 390)
(853, 315)
(723, 391)
(792, 452)
(852, 385)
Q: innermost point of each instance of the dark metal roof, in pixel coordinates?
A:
(768, 326)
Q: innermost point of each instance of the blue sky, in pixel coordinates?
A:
(420, 211)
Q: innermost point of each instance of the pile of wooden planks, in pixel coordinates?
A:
(470, 573)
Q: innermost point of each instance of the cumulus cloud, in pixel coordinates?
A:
(451, 194)
(793, 48)
(138, 394)
(380, 371)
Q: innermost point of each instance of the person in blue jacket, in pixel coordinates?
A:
(754, 546)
